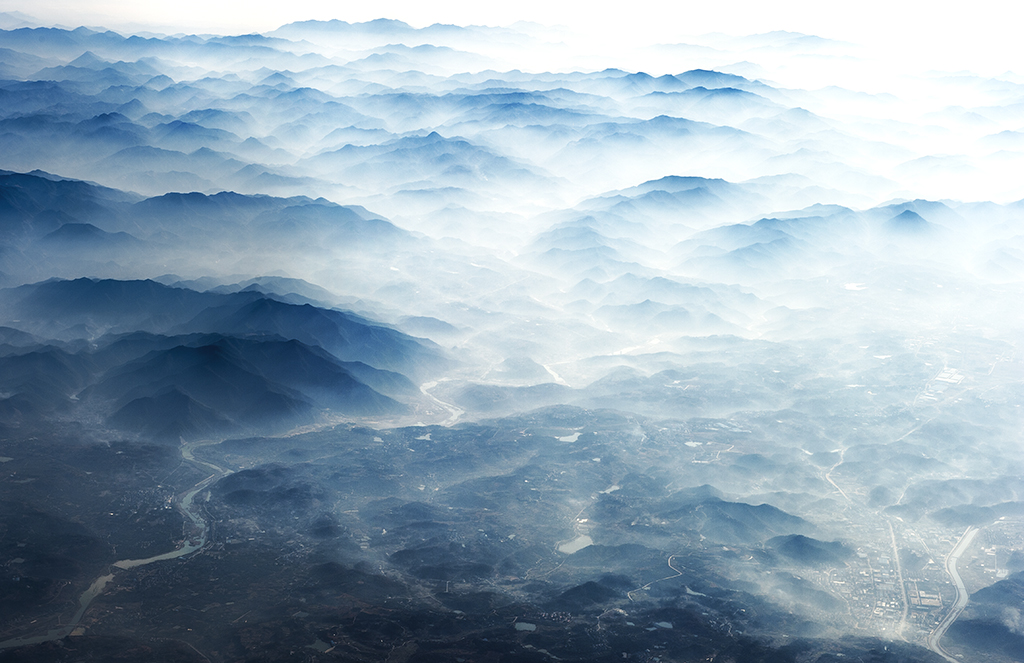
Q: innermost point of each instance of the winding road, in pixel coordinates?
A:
(961, 594)
(678, 573)
(192, 512)
(828, 475)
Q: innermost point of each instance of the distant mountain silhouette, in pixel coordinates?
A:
(908, 222)
(86, 236)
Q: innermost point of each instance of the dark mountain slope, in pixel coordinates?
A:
(344, 335)
(805, 550)
(88, 308)
(732, 522)
(25, 197)
(168, 415)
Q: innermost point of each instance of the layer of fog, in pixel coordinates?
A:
(572, 234)
(822, 274)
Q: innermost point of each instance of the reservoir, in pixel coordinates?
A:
(576, 545)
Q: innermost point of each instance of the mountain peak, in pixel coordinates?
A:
(88, 60)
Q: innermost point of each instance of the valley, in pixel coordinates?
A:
(366, 341)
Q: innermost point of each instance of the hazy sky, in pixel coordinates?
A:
(982, 34)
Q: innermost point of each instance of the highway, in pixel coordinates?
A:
(961, 594)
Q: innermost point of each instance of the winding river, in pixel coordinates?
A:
(454, 411)
(962, 596)
(192, 513)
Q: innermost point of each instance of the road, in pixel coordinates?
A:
(899, 579)
(828, 475)
(961, 594)
(677, 573)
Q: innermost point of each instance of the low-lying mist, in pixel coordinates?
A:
(360, 341)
